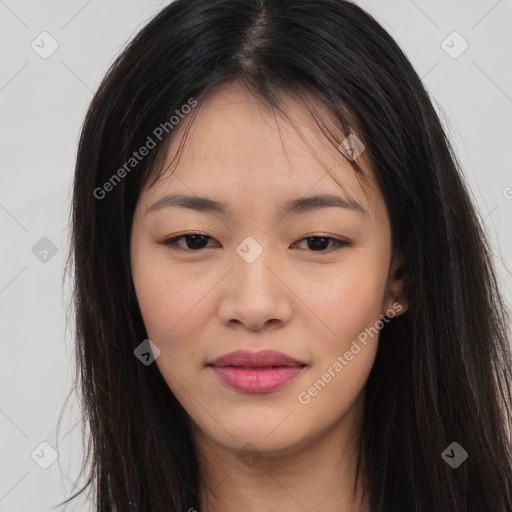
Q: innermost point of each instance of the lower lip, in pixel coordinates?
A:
(255, 380)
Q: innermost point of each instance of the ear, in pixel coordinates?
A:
(396, 299)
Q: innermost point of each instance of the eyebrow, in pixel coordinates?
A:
(299, 205)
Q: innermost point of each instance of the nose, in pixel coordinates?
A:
(255, 295)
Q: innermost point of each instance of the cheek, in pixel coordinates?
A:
(164, 294)
(350, 302)
(170, 304)
(173, 313)
(343, 360)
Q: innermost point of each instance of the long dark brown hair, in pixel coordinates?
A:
(443, 370)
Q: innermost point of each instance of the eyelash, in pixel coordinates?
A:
(173, 243)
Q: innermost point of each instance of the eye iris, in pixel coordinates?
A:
(319, 243)
(198, 241)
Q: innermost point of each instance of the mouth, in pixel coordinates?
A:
(256, 372)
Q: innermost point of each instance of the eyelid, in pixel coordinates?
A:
(172, 242)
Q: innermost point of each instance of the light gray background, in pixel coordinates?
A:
(43, 102)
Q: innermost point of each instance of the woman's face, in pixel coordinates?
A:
(258, 280)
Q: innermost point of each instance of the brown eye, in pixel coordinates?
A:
(321, 243)
(193, 241)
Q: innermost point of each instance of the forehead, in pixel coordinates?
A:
(238, 146)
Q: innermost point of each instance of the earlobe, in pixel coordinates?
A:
(395, 305)
(400, 306)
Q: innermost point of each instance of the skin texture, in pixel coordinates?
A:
(310, 304)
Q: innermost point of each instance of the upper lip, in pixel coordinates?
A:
(249, 359)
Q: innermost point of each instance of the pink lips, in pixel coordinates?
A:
(256, 372)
